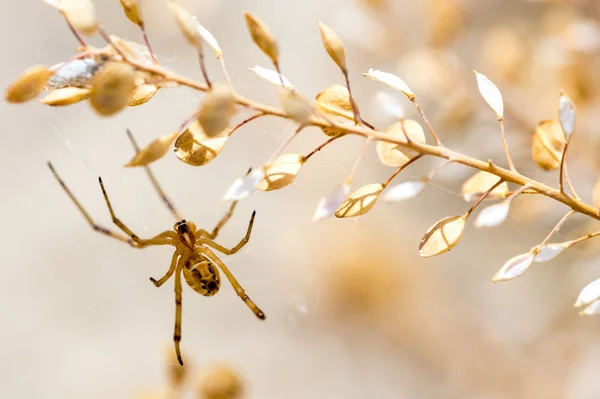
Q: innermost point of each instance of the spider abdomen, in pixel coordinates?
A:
(203, 277)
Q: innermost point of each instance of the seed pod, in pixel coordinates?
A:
(334, 103)
(81, 14)
(391, 80)
(132, 11)
(481, 182)
(29, 85)
(262, 37)
(360, 202)
(219, 382)
(548, 144)
(393, 155)
(514, 267)
(272, 76)
(142, 94)
(112, 88)
(153, 151)
(186, 23)
(334, 46)
(281, 172)
(330, 203)
(296, 106)
(66, 96)
(217, 110)
(195, 148)
(442, 236)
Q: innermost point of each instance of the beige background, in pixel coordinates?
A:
(352, 311)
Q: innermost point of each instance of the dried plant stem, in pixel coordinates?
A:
(437, 151)
(482, 197)
(401, 168)
(538, 248)
(569, 183)
(355, 111)
(320, 147)
(147, 42)
(74, 31)
(225, 72)
(584, 238)
(361, 153)
(203, 67)
(247, 120)
(285, 143)
(511, 165)
(563, 174)
(431, 174)
(426, 121)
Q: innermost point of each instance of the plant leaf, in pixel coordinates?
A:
(404, 191)
(480, 183)
(334, 46)
(29, 85)
(551, 251)
(360, 202)
(281, 172)
(588, 294)
(217, 110)
(208, 38)
(329, 204)
(132, 11)
(272, 76)
(548, 144)
(567, 115)
(514, 267)
(493, 215)
(81, 14)
(186, 24)
(591, 309)
(142, 94)
(195, 148)
(490, 94)
(442, 236)
(296, 106)
(392, 81)
(390, 105)
(262, 37)
(394, 155)
(334, 103)
(153, 151)
(65, 96)
(243, 187)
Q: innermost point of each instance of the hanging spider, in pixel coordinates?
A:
(192, 256)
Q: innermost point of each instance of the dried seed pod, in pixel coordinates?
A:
(548, 144)
(442, 236)
(272, 76)
(132, 11)
(29, 85)
(262, 37)
(567, 115)
(493, 215)
(481, 182)
(360, 202)
(217, 110)
(186, 23)
(81, 14)
(66, 96)
(589, 294)
(153, 151)
(490, 94)
(334, 103)
(514, 267)
(219, 382)
(329, 204)
(112, 88)
(243, 187)
(334, 46)
(132, 50)
(208, 38)
(391, 80)
(195, 148)
(551, 251)
(404, 191)
(296, 106)
(393, 155)
(282, 172)
(142, 94)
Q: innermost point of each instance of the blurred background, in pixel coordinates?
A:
(352, 311)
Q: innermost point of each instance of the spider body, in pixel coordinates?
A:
(193, 255)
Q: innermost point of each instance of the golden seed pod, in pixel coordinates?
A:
(142, 94)
(394, 155)
(132, 11)
(186, 23)
(65, 96)
(153, 151)
(262, 37)
(81, 14)
(360, 202)
(480, 183)
(133, 50)
(195, 148)
(334, 103)
(334, 46)
(217, 110)
(548, 144)
(282, 172)
(219, 382)
(296, 106)
(442, 236)
(112, 88)
(29, 85)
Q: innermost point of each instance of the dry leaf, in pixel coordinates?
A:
(186, 23)
(479, 183)
(217, 110)
(442, 236)
(153, 151)
(81, 14)
(390, 105)
(589, 294)
(272, 76)
(490, 94)
(567, 115)
(296, 106)
(548, 144)
(112, 87)
(334, 46)
(392, 81)
(281, 172)
(132, 50)
(195, 148)
(66, 96)
(514, 267)
(360, 202)
(208, 38)
(142, 94)
(29, 85)
(394, 155)
(329, 204)
(591, 309)
(334, 103)
(493, 215)
(132, 11)
(262, 37)
(243, 187)
(551, 251)
(404, 191)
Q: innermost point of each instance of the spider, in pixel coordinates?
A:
(192, 257)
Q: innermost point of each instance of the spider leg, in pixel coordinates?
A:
(178, 303)
(164, 238)
(169, 273)
(212, 235)
(168, 203)
(87, 217)
(210, 255)
(206, 241)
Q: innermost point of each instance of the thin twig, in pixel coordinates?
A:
(145, 36)
(320, 147)
(483, 196)
(401, 168)
(511, 165)
(426, 121)
(538, 248)
(361, 152)
(203, 67)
